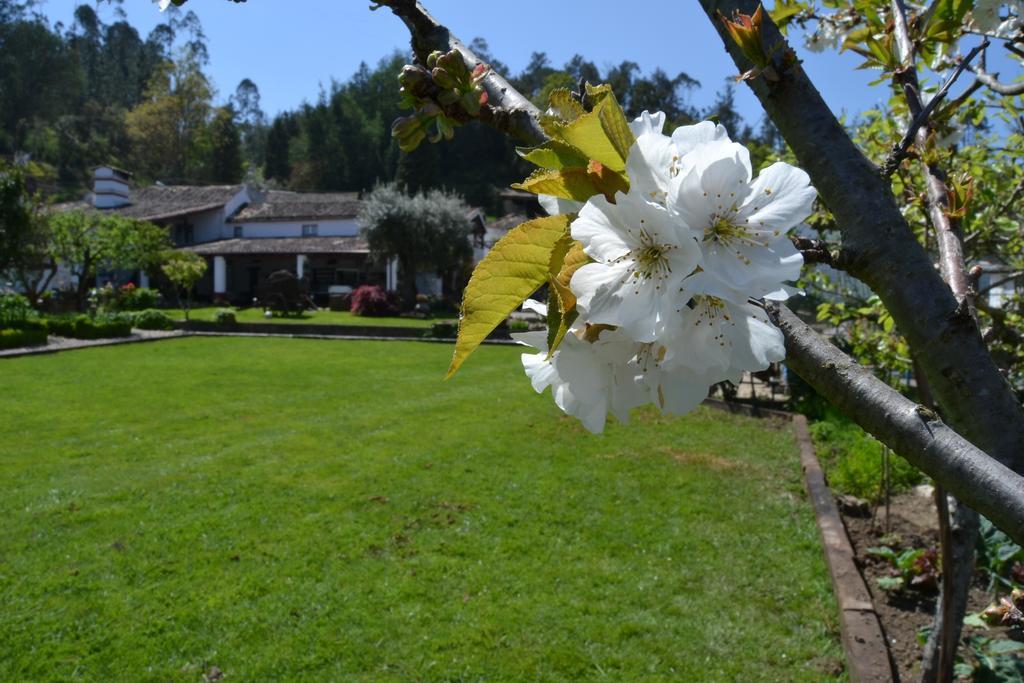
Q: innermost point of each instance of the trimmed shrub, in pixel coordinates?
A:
(224, 316)
(153, 320)
(14, 339)
(84, 327)
(444, 329)
(371, 300)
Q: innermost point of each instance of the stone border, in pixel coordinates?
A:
(316, 330)
(867, 650)
(69, 344)
(139, 336)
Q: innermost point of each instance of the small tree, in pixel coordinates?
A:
(184, 269)
(422, 231)
(87, 242)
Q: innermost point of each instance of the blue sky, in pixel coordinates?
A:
(290, 47)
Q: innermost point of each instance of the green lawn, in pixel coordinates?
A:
(322, 317)
(332, 510)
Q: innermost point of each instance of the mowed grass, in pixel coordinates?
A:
(319, 317)
(332, 510)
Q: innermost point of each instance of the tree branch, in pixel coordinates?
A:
(922, 114)
(991, 81)
(884, 253)
(908, 428)
(507, 110)
(819, 251)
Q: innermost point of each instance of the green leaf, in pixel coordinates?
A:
(1001, 647)
(602, 134)
(554, 155)
(564, 106)
(514, 268)
(575, 183)
(566, 258)
(890, 583)
(974, 619)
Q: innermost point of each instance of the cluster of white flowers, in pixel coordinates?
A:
(665, 307)
(988, 17)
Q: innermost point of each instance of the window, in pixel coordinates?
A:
(309, 230)
(238, 230)
(189, 234)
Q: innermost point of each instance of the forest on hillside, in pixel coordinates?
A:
(98, 92)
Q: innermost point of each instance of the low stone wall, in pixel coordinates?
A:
(319, 330)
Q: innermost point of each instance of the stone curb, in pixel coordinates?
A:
(180, 334)
(868, 659)
(867, 652)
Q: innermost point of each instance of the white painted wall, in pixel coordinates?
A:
(325, 228)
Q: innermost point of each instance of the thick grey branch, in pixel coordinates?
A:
(507, 110)
(908, 428)
(884, 254)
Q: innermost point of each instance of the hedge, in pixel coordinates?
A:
(14, 339)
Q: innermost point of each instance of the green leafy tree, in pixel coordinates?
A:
(167, 129)
(225, 148)
(88, 243)
(423, 231)
(184, 269)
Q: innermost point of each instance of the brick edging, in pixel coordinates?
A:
(867, 652)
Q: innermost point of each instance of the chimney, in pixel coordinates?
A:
(110, 187)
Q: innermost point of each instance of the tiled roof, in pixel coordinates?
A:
(163, 202)
(282, 245)
(279, 205)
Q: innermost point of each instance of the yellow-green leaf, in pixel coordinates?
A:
(570, 183)
(602, 134)
(564, 106)
(514, 268)
(554, 155)
(566, 258)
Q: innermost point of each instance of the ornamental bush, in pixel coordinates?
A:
(132, 298)
(15, 309)
(152, 319)
(371, 300)
(224, 316)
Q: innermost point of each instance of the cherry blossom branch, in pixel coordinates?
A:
(908, 428)
(880, 249)
(883, 252)
(900, 150)
(507, 110)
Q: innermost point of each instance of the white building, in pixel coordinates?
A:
(246, 234)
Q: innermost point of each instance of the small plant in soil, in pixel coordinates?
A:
(916, 568)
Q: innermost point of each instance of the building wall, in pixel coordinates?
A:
(324, 228)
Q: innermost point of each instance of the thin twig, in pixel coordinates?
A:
(900, 150)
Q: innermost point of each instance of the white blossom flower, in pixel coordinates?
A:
(742, 223)
(641, 257)
(722, 339)
(164, 4)
(655, 159)
(987, 17)
(828, 35)
(587, 379)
